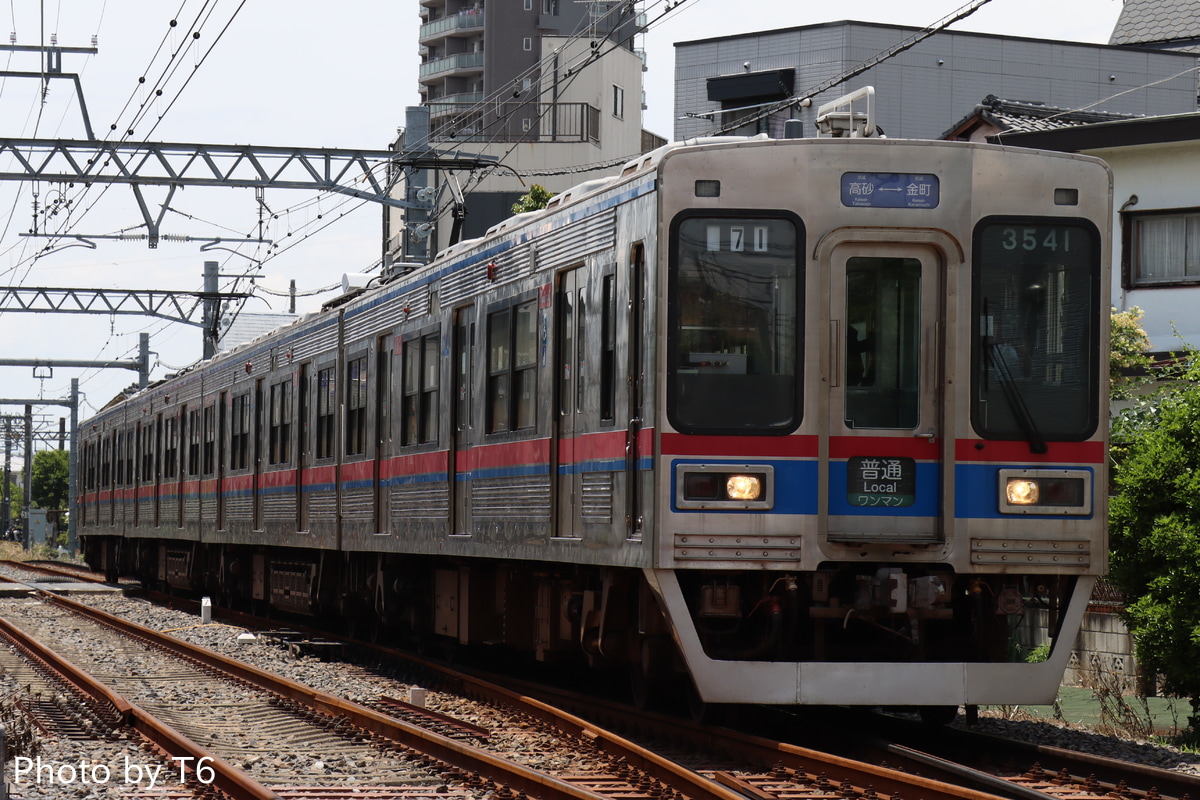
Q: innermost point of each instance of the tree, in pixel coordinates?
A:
(49, 482)
(1154, 527)
(1128, 362)
(535, 200)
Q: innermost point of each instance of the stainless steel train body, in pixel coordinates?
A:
(813, 421)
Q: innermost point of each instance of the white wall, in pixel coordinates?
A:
(1163, 177)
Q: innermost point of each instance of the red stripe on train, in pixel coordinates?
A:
(510, 454)
(416, 464)
(991, 451)
(678, 444)
(885, 447)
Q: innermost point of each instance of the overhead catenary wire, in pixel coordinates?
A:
(129, 128)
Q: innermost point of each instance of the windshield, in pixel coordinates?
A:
(1036, 333)
(734, 325)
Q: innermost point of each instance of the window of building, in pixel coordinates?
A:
(326, 411)
(529, 5)
(1164, 248)
(550, 7)
(512, 368)
(280, 427)
(527, 44)
(421, 379)
(356, 406)
(618, 106)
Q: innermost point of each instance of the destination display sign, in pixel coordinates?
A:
(881, 482)
(890, 190)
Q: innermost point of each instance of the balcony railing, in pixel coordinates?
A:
(514, 122)
(460, 21)
(452, 103)
(454, 63)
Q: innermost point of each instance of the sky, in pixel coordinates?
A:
(277, 73)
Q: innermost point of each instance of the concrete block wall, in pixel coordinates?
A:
(1102, 653)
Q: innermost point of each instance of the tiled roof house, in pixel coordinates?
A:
(995, 115)
(1162, 24)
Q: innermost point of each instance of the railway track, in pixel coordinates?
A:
(735, 766)
(263, 736)
(1030, 770)
(592, 763)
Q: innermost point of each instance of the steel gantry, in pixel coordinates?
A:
(176, 306)
(363, 174)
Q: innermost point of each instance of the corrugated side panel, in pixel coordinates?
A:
(428, 501)
(522, 497)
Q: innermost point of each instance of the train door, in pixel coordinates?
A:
(158, 487)
(383, 431)
(302, 445)
(884, 471)
(256, 455)
(462, 428)
(222, 432)
(569, 394)
(633, 435)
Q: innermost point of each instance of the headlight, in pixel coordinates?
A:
(1060, 492)
(1022, 492)
(743, 487)
(724, 486)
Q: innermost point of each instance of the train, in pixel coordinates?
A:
(809, 421)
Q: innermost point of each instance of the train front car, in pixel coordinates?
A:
(882, 437)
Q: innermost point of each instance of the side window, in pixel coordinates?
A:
(147, 453)
(130, 447)
(170, 447)
(280, 426)
(326, 411)
(422, 371)
(512, 368)
(608, 350)
(356, 406)
(239, 455)
(193, 433)
(106, 462)
(499, 368)
(119, 449)
(210, 440)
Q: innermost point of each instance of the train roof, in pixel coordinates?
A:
(363, 292)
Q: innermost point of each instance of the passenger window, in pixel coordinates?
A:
(326, 411)
(356, 406)
(281, 422)
(422, 368)
(883, 343)
(512, 368)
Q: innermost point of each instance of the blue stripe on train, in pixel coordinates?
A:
(795, 486)
(977, 491)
